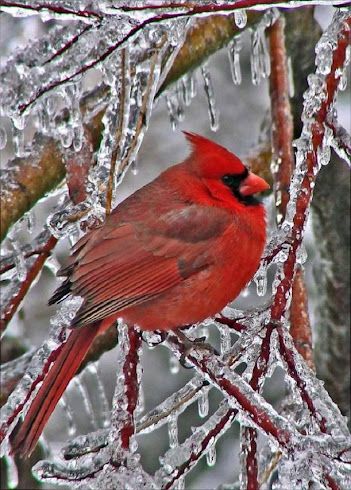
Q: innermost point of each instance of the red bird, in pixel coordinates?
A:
(172, 254)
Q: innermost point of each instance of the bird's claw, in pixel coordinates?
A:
(198, 343)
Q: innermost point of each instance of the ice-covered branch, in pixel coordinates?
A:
(53, 8)
(12, 300)
(29, 178)
(238, 392)
(300, 325)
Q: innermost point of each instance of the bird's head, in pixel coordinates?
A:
(223, 171)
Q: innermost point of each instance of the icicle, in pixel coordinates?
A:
(187, 87)
(173, 430)
(134, 167)
(212, 111)
(141, 400)
(72, 94)
(225, 340)
(104, 412)
(173, 364)
(261, 282)
(211, 455)
(260, 61)
(172, 106)
(12, 473)
(43, 118)
(86, 401)
(18, 141)
(30, 218)
(72, 428)
(133, 444)
(291, 85)
(203, 404)
(52, 264)
(234, 49)
(240, 18)
(255, 59)
(20, 261)
(3, 138)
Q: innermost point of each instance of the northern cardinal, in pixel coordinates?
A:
(172, 254)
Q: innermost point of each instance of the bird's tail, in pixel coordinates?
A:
(60, 374)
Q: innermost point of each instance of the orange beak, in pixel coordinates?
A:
(253, 184)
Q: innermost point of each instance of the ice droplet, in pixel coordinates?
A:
(208, 88)
(104, 412)
(12, 472)
(3, 138)
(187, 86)
(133, 444)
(18, 141)
(173, 364)
(211, 455)
(20, 261)
(234, 49)
(203, 404)
(324, 57)
(261, 282)
(240, 18)
(172, 106)
(72, 429)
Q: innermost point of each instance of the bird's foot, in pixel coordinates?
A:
(198, 343)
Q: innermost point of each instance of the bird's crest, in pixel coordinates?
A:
(211, 160)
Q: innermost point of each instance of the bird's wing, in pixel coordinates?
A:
(135, 262)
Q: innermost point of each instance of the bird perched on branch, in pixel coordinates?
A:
(172, 254)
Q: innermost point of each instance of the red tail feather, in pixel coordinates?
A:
(55, 383)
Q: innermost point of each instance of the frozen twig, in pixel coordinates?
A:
(8, 309)
(300, 325)
(22, 185)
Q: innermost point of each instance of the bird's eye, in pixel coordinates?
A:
(234, 180)
(226, 179)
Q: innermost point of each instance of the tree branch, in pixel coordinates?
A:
(27, 180)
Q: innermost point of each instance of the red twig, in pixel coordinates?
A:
(282, 127)
(51, 7)
(288, 358)
(123, 418)
(341, 136)
(68, 44)
(249, 440)
(183, 469)
(194, 7)
(218, 373)
(9, 310)
(249, 453)
(300, 326)
(8, 261)
(305, 194)
(7, 421)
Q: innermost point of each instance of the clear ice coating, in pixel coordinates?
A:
(234, 48)
(240, 18)
(260, 60)
(3, 138)
(310, 456)
(208, 88)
